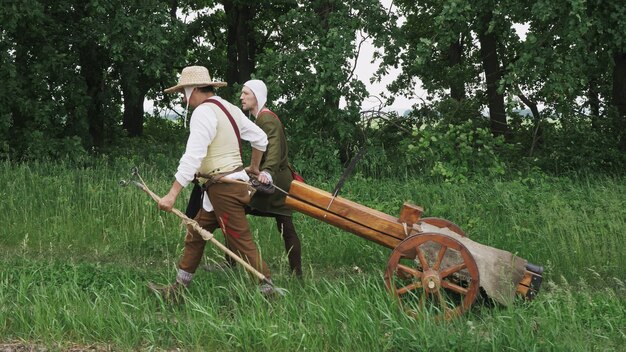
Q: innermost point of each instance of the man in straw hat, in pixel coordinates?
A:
(213, 159)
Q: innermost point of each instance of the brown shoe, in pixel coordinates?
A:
(170, 293)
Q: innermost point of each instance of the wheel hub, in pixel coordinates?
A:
(431, 281)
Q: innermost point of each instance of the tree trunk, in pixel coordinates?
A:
(93, 66)
(594, 102)
(252, 42)
(323, 10)
(173, 9)
(232, 74)
(457, 86)
(493, 74)
(133, 113)
(619, 98)
(538, 132)
(240, 43)
(244, 32)
(134, 89)
(93, 71)
(331, 97)
(19, 115)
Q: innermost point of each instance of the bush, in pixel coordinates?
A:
(566, 145)
(40, 147)
(456, 153)
(314, 158)
(578, 147)
(161, 145)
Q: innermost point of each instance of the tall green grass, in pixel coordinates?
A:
(78, 251)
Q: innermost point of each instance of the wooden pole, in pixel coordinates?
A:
(206, 235)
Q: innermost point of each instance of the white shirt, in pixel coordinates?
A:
(202, 130)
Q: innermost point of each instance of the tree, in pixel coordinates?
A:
(433, 44)
(489, 43)
(68, 61)
(443, 44)
(572, 61)
(310, 68)
(145, 41)
(241, 42)
(45, 107)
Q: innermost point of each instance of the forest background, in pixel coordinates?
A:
(76, 74)
(519, 140)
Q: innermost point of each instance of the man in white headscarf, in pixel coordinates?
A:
(274, 168)
(212, 158)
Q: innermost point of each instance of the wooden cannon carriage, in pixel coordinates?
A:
(433, 263)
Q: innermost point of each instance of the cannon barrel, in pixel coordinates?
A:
(360, 220)
(384, 229)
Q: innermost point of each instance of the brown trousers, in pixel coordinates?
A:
(228, 201)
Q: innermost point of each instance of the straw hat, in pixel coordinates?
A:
(194, 76)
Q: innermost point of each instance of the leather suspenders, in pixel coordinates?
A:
(230, 118)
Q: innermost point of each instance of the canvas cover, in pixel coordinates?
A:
(499, 271)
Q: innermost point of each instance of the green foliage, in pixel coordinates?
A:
(311, 71)
(161, 145)
(576, 147)
(385, 142)
(40, 147)
(454, 153)
(457, 152)
(68, 80)
(314, 157)
(71, 88)
(570, 60)
(570, 145)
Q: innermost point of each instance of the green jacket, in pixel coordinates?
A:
(276, 162)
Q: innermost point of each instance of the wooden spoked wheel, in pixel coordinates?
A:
(439, 222)
(432, 273)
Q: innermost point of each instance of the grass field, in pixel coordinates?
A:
(78, 251)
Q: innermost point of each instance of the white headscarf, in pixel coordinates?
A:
(259, 90)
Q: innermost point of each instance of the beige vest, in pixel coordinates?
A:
(223, 152)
